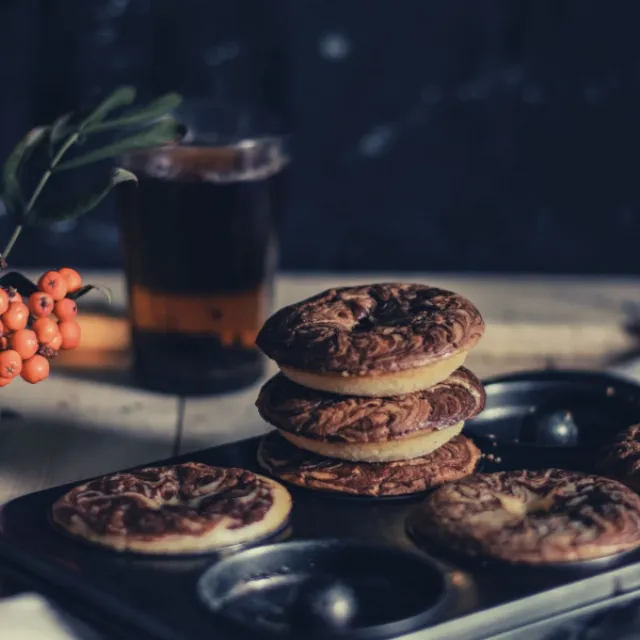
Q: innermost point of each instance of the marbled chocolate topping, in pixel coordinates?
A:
(376, 328)
(186, 499)
(621, 459)
(354, 419)
(456, 459)
(533, 516)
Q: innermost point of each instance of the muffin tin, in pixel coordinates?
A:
(349, 567)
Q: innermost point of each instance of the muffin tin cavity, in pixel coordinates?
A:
(317, 588)
(352, 566)
(544, 419)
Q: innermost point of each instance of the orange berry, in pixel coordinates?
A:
(46, 329)
(5, 381)
(24, 342)
(70, 332)
(35, 369)
(66, 309)
(16, 316)
(72, 278)
(10, 364)
(4, 301)
(41, 304)
(56, 343)
(53, 284)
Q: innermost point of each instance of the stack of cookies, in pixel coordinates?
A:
(372, 395)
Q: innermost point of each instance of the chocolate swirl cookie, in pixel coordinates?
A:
(621, 460)
(185, 508)
(371, 429)
(375, 340)
(456, 459)
(532, 517)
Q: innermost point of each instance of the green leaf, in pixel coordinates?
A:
(91, 287)
(121, 97)
(59, 130)
(22, 284)
(11, 190)
(165, 131)
(155, 109)
(80, 205)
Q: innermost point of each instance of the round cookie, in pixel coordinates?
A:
(621, 460)
(184, 508)
(371, 429)
(375, 340)
(532, 517)
(456, 459)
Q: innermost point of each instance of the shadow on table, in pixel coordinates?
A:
(40, 452)
(104, 354)
(118, 375)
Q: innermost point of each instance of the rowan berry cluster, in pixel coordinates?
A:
(33, 330)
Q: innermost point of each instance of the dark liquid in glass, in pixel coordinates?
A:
(199, 246)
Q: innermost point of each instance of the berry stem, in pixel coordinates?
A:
(68, 143)
(12, 240)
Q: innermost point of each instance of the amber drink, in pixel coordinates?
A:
(199, 240)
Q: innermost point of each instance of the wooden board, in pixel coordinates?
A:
(525, 316)
(87, 419)
(71, 429)
(73, 426)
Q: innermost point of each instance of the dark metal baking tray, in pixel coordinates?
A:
(156, 597)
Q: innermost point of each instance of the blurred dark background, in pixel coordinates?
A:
(431, 135)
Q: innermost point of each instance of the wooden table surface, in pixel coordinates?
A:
(87, 419)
